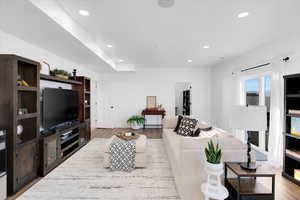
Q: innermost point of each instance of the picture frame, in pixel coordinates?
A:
(151, 102)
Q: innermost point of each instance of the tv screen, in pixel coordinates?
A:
(59, 106)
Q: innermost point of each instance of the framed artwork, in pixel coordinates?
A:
(151, 101)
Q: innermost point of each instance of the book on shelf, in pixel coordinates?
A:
(295, 112)
(295, 126)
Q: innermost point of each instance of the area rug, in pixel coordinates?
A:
(82, 176)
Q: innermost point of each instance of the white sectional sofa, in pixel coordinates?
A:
(187, 156)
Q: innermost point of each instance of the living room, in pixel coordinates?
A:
(147, 86)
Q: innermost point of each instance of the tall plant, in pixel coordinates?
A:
(213, 153)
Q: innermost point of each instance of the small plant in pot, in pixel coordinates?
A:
(136, 122)
(213, 157)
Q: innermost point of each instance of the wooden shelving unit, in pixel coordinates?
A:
(22, 148)
(60, 80)
(85, 102)
(291, 155)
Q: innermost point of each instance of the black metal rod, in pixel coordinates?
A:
(258, 66)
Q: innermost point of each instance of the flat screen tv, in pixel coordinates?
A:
(59, 106)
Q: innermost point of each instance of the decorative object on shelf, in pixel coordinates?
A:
(74, 74)
(151, 102)
(213, 188)
(295, 126)
(136, 122)
(43, 63)
(240, 116)
(297, 174)
(294, 112)
(127, 136)
(60, 73)
(86, 101)
(22, 111)
(20, 129)
(21, 82)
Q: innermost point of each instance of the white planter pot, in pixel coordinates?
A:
(136, 126)
(216, 168)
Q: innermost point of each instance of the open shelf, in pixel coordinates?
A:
(27, 116)
(249, 186)
(29, 130)
(28, 73)
(292, 136)
(60, 80)
(27, 100)
(29, 89)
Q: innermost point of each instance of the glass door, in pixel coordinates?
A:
(258, 92)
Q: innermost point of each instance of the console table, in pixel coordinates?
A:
(245, 184)
(153, 118)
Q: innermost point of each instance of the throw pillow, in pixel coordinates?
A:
(179, 118)
(196, 132)
(187, 126)
(204, 127)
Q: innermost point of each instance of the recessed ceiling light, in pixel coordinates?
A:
(206, 47)
(121, 60)
(243, 14)
(189, 60)
(84, 12)
(109, 46)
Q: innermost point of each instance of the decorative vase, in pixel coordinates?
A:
(136, 126)
(217, 168)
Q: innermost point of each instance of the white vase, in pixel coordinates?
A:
(216, 168)
(136, 126)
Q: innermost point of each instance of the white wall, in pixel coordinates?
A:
(224, 84)
(127, 92)
(10, 44)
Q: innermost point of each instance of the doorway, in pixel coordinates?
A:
(183, 94)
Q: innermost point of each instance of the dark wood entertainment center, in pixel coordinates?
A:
(30, 153)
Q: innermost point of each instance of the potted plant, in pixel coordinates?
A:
(60, 73)
(213, 157)
(136, 122)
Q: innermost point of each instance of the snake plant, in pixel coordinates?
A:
(213, 153)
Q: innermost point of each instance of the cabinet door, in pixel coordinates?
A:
(26, 164)
(82, 134)
(51, 151)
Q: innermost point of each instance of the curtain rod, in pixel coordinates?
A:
(251, 68)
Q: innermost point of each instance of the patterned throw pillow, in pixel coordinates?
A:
(187, 126)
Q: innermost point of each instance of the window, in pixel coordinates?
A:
(258, 92)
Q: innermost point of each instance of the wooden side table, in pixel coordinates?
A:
(245, 186)
(153, 118)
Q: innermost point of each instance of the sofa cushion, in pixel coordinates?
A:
(170, 122)
(187, 126)
(174, 142)
(179, 119)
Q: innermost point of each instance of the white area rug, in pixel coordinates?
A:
(83, 177)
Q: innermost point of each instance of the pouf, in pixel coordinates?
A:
(141, 152)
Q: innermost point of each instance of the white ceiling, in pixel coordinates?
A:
(146, 35)
(25, 21)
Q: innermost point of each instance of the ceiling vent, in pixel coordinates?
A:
(166, 3)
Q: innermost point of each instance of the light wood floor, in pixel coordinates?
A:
(284, 189)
